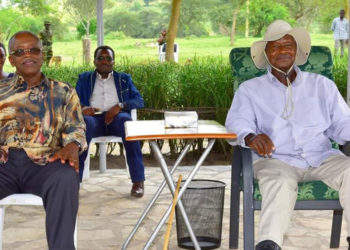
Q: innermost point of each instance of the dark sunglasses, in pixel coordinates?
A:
(101, 58)
(21, 52)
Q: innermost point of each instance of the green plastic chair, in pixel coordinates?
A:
(313, 195)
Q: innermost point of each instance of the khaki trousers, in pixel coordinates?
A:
(278, 184)
(341, 44)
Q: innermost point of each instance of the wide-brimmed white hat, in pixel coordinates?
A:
(275, 31)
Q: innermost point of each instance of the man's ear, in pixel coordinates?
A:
(11, 61)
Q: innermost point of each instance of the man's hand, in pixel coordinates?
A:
(111, 113)
(90, 111)
(69, 153)
(261, 144)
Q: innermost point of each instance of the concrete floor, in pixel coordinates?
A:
(107, 214)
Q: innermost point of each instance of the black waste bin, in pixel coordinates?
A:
(203, 201)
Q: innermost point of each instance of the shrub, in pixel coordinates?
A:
(204, 85)
(340, 74)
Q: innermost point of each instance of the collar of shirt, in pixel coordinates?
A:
(99, 77)
(19, 80)
(273, 80)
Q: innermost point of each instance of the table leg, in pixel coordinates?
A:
(154, 198)
(171, 185)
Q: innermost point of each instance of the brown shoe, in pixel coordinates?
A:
(137, 189)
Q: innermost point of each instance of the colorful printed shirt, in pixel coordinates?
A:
(41, 119)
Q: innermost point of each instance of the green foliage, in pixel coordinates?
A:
(82, 12)
(115, 35)
(264, 12)
(340, 73)
(66, 74)
(12, 21)
(221, 18)
(122, 21)
(35, 7)
(82, 31)
(205, 82)
(145, 23)
(328, 13)
(193, 16)
(150, 23)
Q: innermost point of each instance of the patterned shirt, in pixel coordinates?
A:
(41, 119)
(340, 28)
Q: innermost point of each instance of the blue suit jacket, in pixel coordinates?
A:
(126, 90)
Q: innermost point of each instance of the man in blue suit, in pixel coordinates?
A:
(106, 97)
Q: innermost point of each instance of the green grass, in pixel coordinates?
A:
(145, 51)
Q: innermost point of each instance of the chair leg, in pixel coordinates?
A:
(86, 173)
(235, 198)
(336, 228)
(248, 206)
(126, 163)
(103, 157)
(2, 218)
(76, 234)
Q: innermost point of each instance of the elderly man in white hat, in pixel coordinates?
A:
(287, 117)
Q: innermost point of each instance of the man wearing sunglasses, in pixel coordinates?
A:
(42, 132)
(106, 97)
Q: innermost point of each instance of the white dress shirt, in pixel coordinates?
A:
(104, 95)
(302, 140)
(340, 28)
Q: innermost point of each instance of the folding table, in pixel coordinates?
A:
(153, 130)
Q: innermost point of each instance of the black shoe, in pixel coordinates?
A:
(267, 245)
(137, 189)
(348, 239)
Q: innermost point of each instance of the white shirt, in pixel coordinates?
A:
(104, 95)
(340, 28)
(302, 140)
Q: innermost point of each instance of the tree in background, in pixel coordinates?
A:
(34, 7)
(264, 12)
(83, 13)
(194, 17)
(81, 28)
(122, 21)
(147, 2)
(304, 12)
(27, 8)
(237, 5)
(221, 18)
(225, 14)
(327, 12)
(172, 30)
(150, 23)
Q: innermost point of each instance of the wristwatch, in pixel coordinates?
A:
(77, 143)
(120, 105)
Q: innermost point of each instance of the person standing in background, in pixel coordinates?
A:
(46, 38)
(162, 37)
(340, 28)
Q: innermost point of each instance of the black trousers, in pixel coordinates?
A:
(56, 183)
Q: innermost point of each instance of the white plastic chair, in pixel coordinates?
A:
(102, 141)
(162, 53)
(23, 200)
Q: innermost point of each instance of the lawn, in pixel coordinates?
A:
(145, 50)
